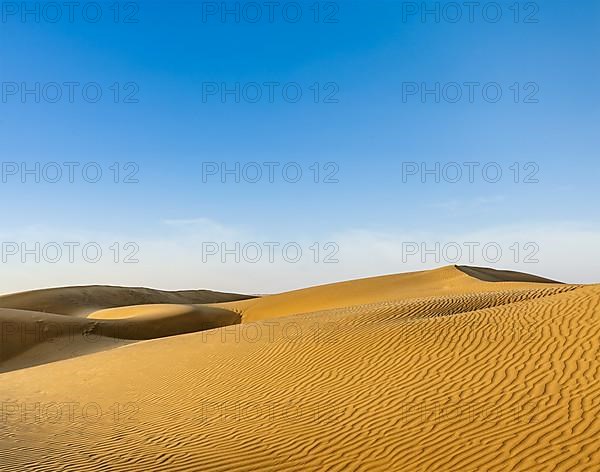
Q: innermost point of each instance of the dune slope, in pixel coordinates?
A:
(499, 376)
(493, 275)
(30, 338)
(444, 281)
(48, 325)
(81, 301)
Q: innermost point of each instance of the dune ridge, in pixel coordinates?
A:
(435, 370)
(81, 301)
(494, 275)
(445, 280)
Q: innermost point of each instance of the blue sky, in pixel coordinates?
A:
(366, 54)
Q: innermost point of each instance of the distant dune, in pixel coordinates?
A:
(81, 301)
(44, 326)
(453, 369)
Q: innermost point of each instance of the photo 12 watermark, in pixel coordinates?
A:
(62, 334)
(275, 331)
(270, 252)
(70, 12)
(270, 92)
(69, 92)
(472, 333)
(471, 412)
(270, 172)
(470, 252)
(470, 172)
(69, 252)
(71, 172)
(270, 12)
(470, 92)
(67, 412)
(524, 12)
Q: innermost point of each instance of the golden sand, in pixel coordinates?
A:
(441, 370)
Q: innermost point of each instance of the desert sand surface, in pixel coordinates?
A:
(453, 369)
(44, 326)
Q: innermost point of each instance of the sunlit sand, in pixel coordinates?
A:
(453, 369)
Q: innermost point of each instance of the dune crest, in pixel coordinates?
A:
(81, 301)
(493, 275)
(443, 281)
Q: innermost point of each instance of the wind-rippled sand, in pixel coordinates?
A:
(454, 369)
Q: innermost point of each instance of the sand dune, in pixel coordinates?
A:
(153, 321)
(81, 301)
(33, 338)
(29, 338)
(443, 281)
(44, 326)
(436, 370)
